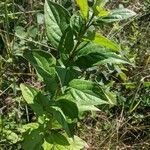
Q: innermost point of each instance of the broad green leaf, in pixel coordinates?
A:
(103, 41)
(89, 60)
(36, 100)
(33, 140)
(89, 47)
(87, 93)
(44, 63)
(118, 15)
(69, 108)
(77, 24)
(67, 74)
(111, 60)
(91, 54)
(75, 144)
(55, 138)
(67, 42)
(61, 118)
(83, 108)
(57, 20)
(29, 94)
(83, 4)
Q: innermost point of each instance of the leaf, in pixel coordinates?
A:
(77, 24)
(86, 93)
(89, 47)
(91, 59)
(44, 63)
(118, 15)
(83, 5)
(91, 54)
(69, 108)
(103, 41)
(33, 140)
(36, 100)
(67, 42)
(61, 118)
(67, 74)
(83, 108)
(75, 144)
(29, 94)
(57, 20)
(56, 138)
(102, 12)
(112, 60)
(98, 7)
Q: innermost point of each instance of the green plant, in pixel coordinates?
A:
(67, 91)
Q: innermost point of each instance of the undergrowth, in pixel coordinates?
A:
(36, 64)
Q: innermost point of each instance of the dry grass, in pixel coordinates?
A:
(116, 132)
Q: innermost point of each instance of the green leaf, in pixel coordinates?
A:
(33, 140)
(77, 24)
(118, 15)
(36, 100)
(67, 42)
(91, 59)
(83, 108)
(44, 63)
(56, 138)
(69, 108)
(57, 20)
(89, 47)
(91, 54)
(103, 41)
(83, 4)
(67, 74)
(87, 93)
(29, 94)
(111, 60)
(98, 7)
(75, 144)
(61, 118)
(102, 12)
